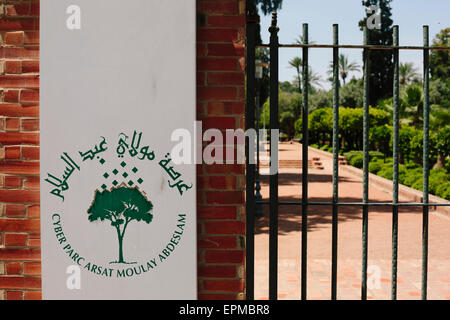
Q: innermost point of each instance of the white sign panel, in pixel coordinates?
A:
(118, 215)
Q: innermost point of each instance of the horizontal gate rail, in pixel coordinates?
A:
(349, 204)
(347, 46)
(274, 202)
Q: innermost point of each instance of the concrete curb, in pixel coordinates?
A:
(404, 192)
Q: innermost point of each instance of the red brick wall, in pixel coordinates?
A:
(220, 96)
(220, 83)
(19, 151)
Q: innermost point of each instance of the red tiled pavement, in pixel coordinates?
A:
(349, 239)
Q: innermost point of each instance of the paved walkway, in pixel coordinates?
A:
(349, 241)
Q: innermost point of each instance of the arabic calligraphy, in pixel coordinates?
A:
(133, 148)
(90, 154)
(61, 183)
(164, 163)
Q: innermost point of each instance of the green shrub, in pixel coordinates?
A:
(439, 172)
(442, 142)
(447, 165)
(410, 174)
(411, 165)
(357, 161)
(349, 155)
(437, 178)
(386, 172)
(418, 185)
(402, 172)
(374, 167)
(443, 191)
(413, 176)
(298, 126)
(375, 155)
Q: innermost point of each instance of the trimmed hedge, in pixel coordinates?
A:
(410, 174)
(375, 167)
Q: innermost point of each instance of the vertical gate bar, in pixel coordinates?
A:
(250, 166)
(426, 161)
(365, 169)
(274, 126)
(304, 163)
(335, 161)
(395, 168)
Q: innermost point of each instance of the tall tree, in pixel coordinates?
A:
(407, 73)
(313, 77)
(267, 6)
(263, 85)
(442, 146)
(411, 105)
(344, 67)
(301, 40)
(297, 63)
(440, 59)
(381, 64)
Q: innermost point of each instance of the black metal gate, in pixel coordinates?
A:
(274, 202)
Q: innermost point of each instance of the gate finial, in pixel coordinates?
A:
(273, 26)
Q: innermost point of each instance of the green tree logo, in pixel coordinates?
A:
(120, 206)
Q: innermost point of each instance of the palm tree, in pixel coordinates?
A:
(301, 40)
(314, 78)
(344, 67)
(411, 105)
(297, 64)
(407, 73)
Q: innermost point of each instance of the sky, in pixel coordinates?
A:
(410, 15)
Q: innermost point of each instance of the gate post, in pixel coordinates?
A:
(251, 28)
